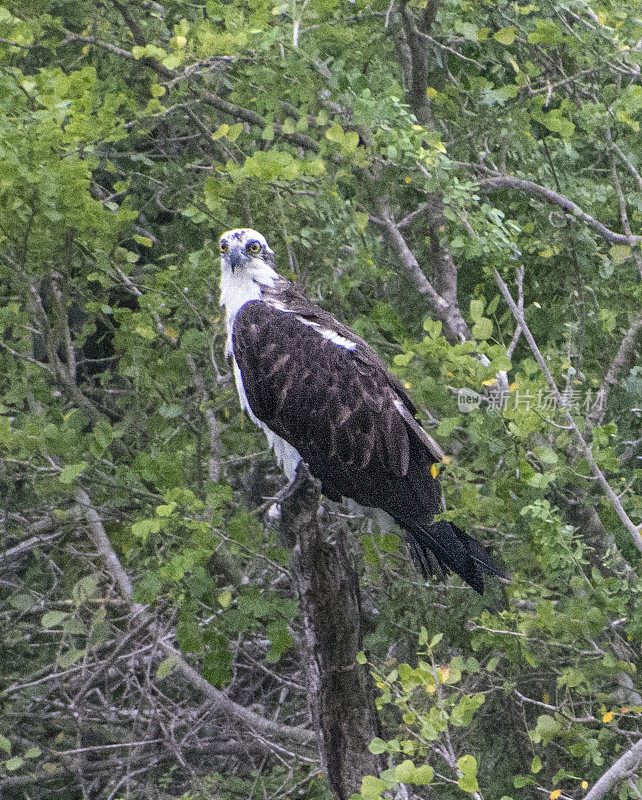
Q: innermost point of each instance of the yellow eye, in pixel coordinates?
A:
(253, 247)
(224, 246)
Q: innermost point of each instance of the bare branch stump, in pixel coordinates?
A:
(340, 691)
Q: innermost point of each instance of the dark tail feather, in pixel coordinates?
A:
(451, 548)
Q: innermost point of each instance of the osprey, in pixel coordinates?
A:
(324, 397)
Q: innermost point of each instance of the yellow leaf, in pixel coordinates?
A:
(408, 180)
(433, 470)
(450, 374)
(584, 784)
(446, 459)
(407, 385)
(513, 386)
(554, 795)
(431, 92)
(536, 304)
(608, 717)
(442, 672)
(181, 41)
(171, 332)
(489, 382)
(225, 598)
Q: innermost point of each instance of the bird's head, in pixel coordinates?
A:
(246, 254)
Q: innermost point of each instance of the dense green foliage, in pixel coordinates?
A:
(131, 136)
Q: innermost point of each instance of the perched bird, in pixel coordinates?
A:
(324, 397)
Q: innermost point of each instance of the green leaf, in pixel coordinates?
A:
(546, 455)
(5, 744)
(144, 240)
(468, 780)
(361, 221)
(536, 764)
(166, 667)
(33, 752)
(221, 131)
(519, 781)
(483, 328)
(234, 131)
(361, 658)
(371, 787)
(85, 588)
(620, 252)
(476, 309)
(225, 598)
(53, 618)
(147, 589)
(335, 133)
(378, 746)
(423, 775)
(166, 509)
(70, 657)
(462, 713)
(506, 35)
(405, 771)
(14, 763)
(350, 142)
(546, 729)
(267, 134)
(69, 473)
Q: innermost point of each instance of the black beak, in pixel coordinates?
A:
(236, 258)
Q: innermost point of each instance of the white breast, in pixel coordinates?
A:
(234, 295)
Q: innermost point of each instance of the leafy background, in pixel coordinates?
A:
(394, 155)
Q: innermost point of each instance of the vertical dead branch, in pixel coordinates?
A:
(618, 365)
(624, 217)
(340, 691)
(214, 460)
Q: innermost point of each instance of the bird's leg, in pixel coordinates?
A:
(301, 475)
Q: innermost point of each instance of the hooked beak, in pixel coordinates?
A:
(237, 257)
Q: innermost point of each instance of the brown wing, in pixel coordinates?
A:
(337, 407)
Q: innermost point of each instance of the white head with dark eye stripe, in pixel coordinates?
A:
(246, 254)
(246, 268)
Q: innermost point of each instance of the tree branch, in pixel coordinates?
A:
(619, 363)
(214, 461)
(262, 726)
(449, 313)
(340, 691)
(520, 305)
(622, 768)
(522, 185)
(624, 217)
(583, 446)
